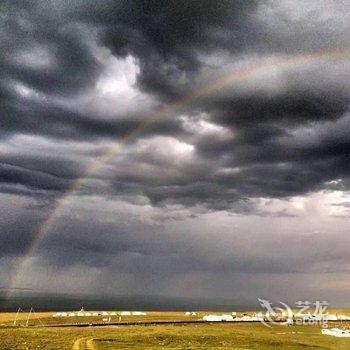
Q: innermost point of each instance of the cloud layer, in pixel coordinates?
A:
(217, 189)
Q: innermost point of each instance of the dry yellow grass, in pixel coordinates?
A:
(191, 336)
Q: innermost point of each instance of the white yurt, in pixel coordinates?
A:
(190, 313)
(336, 332)
(227, 318)
(246, 319)
(138, 313)
(125, 313)
(212, 318)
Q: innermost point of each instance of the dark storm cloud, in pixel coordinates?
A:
(179, 32)
(30, 178)
(294, 107)
(63, 123)
(17, 235)
(166, 36)
(26, 28)
(169, 36)
(48, 47)
(128, 248)
(281, 135)
(168, 46)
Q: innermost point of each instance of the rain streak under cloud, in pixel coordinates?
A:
(243, 192)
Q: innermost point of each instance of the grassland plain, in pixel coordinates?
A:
(191, 336)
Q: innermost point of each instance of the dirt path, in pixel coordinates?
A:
(84, 344)
(76, 345)
(90, 344)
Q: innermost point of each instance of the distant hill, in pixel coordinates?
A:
(56, 302)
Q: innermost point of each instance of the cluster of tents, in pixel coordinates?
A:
(83, 313)
(232, 318)
(133, 313)
(259, 317)
(322, 317)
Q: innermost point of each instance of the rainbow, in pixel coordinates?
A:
(233, 79)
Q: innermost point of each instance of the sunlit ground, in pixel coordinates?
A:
(189, 336)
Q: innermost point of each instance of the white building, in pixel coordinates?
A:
(343, 318)
(212, 318)
(218, 318)
(257, 318)
(83, 313)
(125, 313)
(246, 318)
(330, 317)
(227, 318)
(336, 332)
(138, 313)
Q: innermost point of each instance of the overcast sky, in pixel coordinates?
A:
(241, 193)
